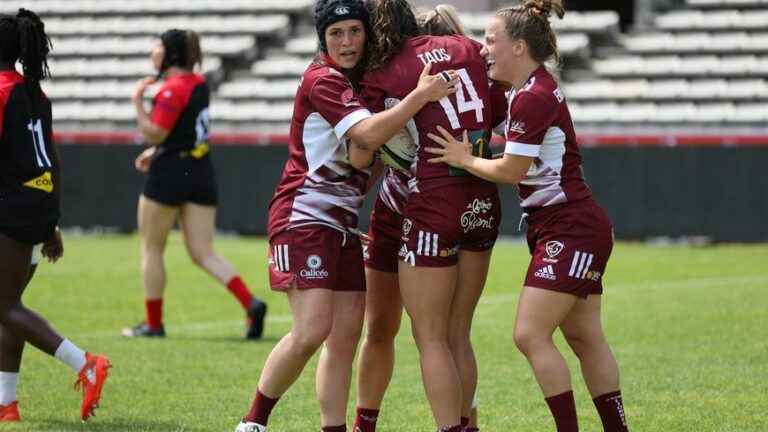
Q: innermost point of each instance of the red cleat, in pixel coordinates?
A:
(10, 413)
(91, 379)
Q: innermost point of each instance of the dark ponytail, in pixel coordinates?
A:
(23, 39)
(182, 49)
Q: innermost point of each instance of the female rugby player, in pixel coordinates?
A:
(29, 212)
(314, 258)
(450, 222)
(182, 183)
(569, 235)
(383, 308)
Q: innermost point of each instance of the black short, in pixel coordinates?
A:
(30, 234)
(183, 180)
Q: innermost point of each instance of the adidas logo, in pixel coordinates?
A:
(546, 272)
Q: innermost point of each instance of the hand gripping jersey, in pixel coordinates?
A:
(29, 169)
(469, 109)
(181, 107)
(539, 125)
(319, 186)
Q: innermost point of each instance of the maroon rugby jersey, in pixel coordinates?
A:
(181, 107)
(319, 186)
(539, 125)
(29, 169)
(468, 109)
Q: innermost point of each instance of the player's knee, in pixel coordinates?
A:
(307, 341)
(583, 343)
(427, 336)
(200, 256)
(381, 331)
(527, 338)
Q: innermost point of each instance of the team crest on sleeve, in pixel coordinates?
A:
(348, 98)
(553, 249)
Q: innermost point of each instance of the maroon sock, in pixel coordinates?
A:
(154, 308)
(471, 429)
(365, 420)
(339, 428)
(238, 289)
(457, 428)
(563, 408)
(611, 410)
(465, 421)
(261, 408)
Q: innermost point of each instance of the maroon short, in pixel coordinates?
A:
(381, 252)
(316, 256)
(443, 217)
(570, 245)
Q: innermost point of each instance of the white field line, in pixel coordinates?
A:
(489, 300)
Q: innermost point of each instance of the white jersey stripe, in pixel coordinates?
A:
(421, 239)
(573, 263)
(586, 267)
(434, 244)
(522, 149)
(350, 120)
(285, 258)
(277, 257)
(582, 261)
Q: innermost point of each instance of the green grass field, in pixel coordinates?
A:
(688, 326)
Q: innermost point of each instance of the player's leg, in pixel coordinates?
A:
(428, 293)
(539, 313)
(155, 222)
(198, 225)
(312, 311)
(472, 273)
(27, 325)
(11, 350)
(334, 368)
(583, 330)
(383, 313)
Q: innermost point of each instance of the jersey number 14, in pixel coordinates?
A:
(473, 104)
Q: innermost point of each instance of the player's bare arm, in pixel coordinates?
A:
(508, 169)
(152, 133)
(368, 135)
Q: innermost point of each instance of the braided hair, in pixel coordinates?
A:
(23, 39)
(530, 22)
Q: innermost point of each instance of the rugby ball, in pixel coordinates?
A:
(399, 152)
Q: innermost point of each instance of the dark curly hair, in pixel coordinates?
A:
(393, 22)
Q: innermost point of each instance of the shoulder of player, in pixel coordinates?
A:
(540, 91)
(323, 75)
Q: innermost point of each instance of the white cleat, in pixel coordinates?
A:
(250, 427)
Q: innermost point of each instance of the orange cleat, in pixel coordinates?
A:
(10, 412)
(91, 379)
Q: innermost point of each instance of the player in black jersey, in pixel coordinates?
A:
(29, 212)
(182, 183)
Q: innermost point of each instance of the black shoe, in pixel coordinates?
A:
(256, 315)
(143, 330)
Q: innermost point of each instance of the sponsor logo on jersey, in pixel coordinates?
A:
(445, 253)
(593, 275)
(341, 10)
(553, 249)
(580, 266)
(517, 126)
(546, 272)
(559, 95)
(473, 218)
(315, 271)
(407, 225)
(43, 183)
